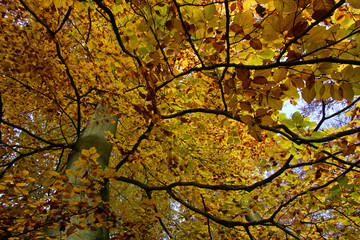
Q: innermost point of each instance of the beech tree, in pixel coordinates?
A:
(132, 119)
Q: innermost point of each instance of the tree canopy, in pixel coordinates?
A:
(165, 119)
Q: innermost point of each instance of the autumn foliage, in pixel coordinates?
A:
(168, 119)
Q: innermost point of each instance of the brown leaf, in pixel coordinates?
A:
(246, 83)
(70, 230)
(321, 8)
(245, 106)
(299, 28)
(310, 81)
(242, 73)
(323, 5)
(318, 173)
(237, 29)
(260, 80)
(256, 44)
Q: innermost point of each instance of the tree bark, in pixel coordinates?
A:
(93, 136)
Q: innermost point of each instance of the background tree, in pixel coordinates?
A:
(160, 119)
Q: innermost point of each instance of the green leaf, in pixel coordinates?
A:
(297, 118)
(335, 190)
(210, 11)
(253, 217)
(267, 54)
(143, 50)
(343, 180)
(317, 134)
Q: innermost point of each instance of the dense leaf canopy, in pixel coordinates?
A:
(196, 90)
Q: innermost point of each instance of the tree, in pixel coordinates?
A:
(160, 119)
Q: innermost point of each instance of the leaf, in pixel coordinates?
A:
(298, 28)
(354, 3)
(260, 80)
(267, 120)
(210, 11)
(86, 152)
(253, 217)
(244, 19)
(92, 151)
(267, 54)
(343, 180)
(48, 182)
(297, 118)
(347, 91)
(308, 94)
(256, 44)
(23, 184)
(336, 92)
(245, 106)
(275, 103)
(255, 132)
(243, 74)
(321, 7)
(237, 29)
(70, 230)
(81, 161)
(247, 119)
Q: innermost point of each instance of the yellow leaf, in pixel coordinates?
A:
(347, 72)
(316, 34)
(255, 132)
(198, 14)
(244, 19)
(267, 120)
(308, 94)
(31, 179)
(347, 91)
(210, 11)
(21, 184)
(92, 150)
(336, 92)
(275, 103)
(247, 119)
(70, 172)
(24, 191)
(81, 162)
(95, 156)
(17, 190)
(327, 67)
(326, 92)
(48, 182)
(46, 3)
(85, 152)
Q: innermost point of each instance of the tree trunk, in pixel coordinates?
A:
(93, 136)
